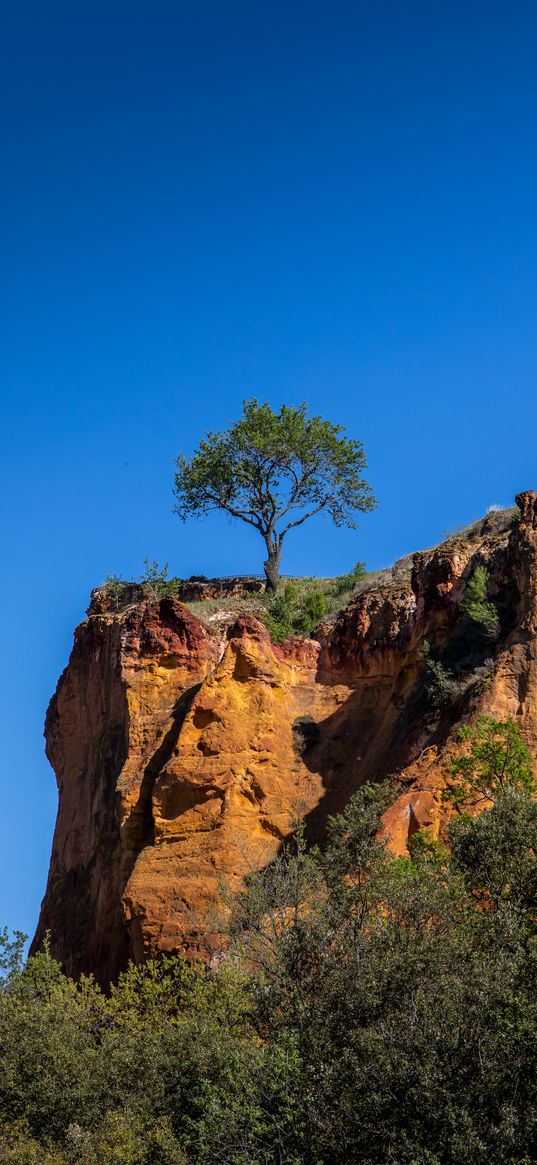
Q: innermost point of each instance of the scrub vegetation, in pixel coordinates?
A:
(369, 1009)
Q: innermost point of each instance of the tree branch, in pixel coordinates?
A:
(242, 514)
(304, 517)
(299, 485)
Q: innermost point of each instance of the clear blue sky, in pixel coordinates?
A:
(332, 202)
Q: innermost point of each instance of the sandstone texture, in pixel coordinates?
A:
(185, 756)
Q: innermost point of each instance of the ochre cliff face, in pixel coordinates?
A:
(184, 760)
(110, 727)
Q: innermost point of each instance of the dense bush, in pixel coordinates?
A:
(371, 1010)
(294, 611)
(463, 665)
(476, 605)
(446, 685)
(346, 583)
(301, 604)
(496, 756)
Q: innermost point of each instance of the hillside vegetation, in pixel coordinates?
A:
(369, 1009)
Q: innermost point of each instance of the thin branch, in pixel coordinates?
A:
(299, 485)
(310, 514)
(242, 514)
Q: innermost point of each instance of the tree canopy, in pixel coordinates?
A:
(274, 471)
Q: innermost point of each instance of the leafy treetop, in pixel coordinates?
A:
(274, 471)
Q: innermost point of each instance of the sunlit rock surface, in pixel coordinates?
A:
(185, 756)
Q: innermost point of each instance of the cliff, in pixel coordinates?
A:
(185, 752)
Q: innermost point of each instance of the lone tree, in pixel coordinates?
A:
(274, 470)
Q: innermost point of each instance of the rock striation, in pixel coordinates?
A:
(184, 756)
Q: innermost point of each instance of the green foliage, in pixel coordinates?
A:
(412, 1010)
(281, 615)
(115, 588)
(347, 582)
(496, 852)
(368, 1010)
(496, 757)
(274, 471)
(89, 1079)
(313, 609)
(124, 1138)
(11, 955)
(156, 582)
(353, 845)
(476, 605)
(301, 604)
(444, 685)
(423, 846)
(294, 612)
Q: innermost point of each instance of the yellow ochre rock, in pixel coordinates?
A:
(184, 757)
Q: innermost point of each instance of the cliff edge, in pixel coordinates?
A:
(185, 754)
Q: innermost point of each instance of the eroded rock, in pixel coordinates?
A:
(184, 759)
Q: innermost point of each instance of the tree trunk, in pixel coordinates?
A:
(272, 569)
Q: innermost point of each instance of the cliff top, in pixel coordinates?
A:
(216, 601)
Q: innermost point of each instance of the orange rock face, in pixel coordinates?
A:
(183, 759)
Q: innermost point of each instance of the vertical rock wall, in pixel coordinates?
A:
(183, 760)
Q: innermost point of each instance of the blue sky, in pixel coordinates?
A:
(331, 202)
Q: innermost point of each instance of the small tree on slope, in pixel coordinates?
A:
(274, 470)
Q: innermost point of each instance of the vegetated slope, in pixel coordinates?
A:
(186, 749)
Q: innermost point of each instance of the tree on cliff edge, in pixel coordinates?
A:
(274, 470)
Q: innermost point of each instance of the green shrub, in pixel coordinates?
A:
(293, 612)
(423, 846)
(476, 606)
(497, 756)
(281, 614)
(442, 686)
(11, 955)
(115, 588)
(347, 582)
(313, 609)
(445, 685)
(284, 604)
(156, 582)
(395, 983)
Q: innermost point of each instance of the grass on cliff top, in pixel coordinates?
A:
(299, 606)
(302, 603)
(495, 523)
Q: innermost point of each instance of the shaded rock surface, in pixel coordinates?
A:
(183, 759)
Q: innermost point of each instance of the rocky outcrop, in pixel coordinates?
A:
(185, 756)
(112, 598)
